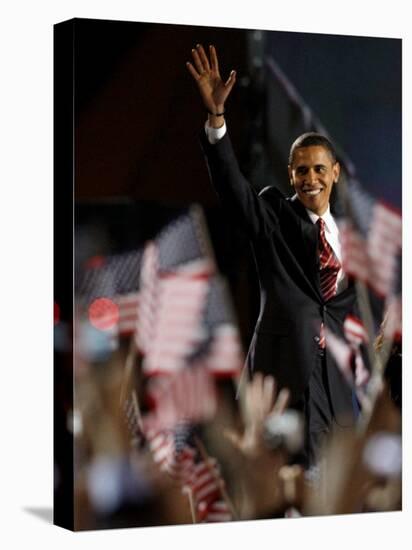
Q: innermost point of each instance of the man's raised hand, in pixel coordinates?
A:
(213, 90)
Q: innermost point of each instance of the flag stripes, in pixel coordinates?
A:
(371, 237)
(187, 396)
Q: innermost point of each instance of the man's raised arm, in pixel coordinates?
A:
(237, 196)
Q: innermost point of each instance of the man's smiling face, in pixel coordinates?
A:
(312, 174)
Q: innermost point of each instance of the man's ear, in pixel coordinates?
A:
(336, 172)
(290, 174)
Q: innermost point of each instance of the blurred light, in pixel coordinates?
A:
(95, 262)
(103, 313)
(104, 485)
(286, 430)
(111, 483)
(93, 344)
(383, 454)
(75, 422)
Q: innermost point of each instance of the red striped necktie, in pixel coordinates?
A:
(329, 267)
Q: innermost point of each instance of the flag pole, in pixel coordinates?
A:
(129, 363)
(219, 481)
(136, 409)
(189, 493)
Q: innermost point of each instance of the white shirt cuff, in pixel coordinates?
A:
(214, 134)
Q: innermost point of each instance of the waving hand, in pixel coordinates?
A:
(213, 90)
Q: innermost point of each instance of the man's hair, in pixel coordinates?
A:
(310, 139)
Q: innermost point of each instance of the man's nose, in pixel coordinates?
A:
(312, 177)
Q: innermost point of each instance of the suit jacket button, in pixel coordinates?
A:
(316, 338)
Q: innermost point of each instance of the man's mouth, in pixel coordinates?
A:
(312, 192)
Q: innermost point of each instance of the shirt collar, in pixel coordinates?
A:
(326, 216)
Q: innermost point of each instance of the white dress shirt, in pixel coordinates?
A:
(214, 134)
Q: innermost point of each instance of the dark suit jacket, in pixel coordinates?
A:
(284, 242)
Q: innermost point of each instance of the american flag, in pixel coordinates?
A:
(185, 311)
(173, 450)
(355, 331)
(204, 482)
(172, 328)
(347, 352)
(224, 353)
(392, 325)
(189, 395)
(371, 238)
(176, 267)
(177, 455)
(184, 245)
(112, 279)
(356, 334)
(215, 511)
(145, 320)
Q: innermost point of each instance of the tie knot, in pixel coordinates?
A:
(321, 224)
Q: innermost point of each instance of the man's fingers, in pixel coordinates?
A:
(198, 62)
(203, 56)
(268, 397)
(233, 437)
(256, 394)
(282, 401)
(213, 59)
(250, 397)
(192, 70)
(231, 80)
(262, 396)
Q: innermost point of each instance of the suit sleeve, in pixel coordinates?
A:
(257, 213)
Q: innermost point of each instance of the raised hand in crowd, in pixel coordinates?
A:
(259, 491)
(260, 401)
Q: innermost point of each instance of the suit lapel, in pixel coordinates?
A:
(309, 244)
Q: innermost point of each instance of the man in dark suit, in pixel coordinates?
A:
(297, 252)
